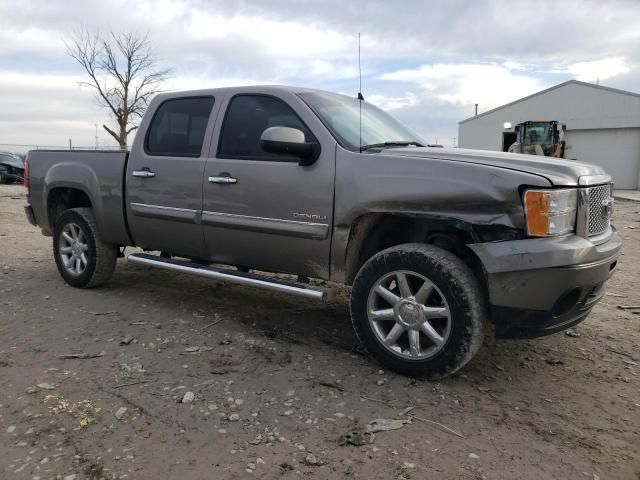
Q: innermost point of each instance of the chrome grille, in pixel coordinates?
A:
(599, 211)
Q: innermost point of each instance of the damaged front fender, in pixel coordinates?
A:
(463, 195)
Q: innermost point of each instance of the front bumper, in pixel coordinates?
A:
(541, 286)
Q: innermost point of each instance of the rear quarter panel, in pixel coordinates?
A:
(98, 174)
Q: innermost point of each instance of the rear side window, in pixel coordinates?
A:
(178, 127)
(247, 117)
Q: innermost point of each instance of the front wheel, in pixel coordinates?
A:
(418, 310)
(82, 258)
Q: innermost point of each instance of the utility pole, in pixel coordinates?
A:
(476, 110)
(70, 145)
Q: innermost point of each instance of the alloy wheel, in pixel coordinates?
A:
(73, 249)
(409, 315)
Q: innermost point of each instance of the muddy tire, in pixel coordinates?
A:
(82, 258)
(418, 310)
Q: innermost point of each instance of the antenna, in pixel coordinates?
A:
(359, 68)
(360, 97)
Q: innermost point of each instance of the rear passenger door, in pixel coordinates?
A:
(272, 213)
(164, 176)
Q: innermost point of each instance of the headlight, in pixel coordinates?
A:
(550, 212)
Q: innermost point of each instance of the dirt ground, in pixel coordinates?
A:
(277, 380)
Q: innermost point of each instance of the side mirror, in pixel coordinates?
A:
(290, 141)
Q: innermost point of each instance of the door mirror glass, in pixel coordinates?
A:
(289, 141)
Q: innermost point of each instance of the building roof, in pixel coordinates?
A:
(542, 92)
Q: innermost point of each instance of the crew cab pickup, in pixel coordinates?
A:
(236, 184)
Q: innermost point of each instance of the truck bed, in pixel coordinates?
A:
(97, 173)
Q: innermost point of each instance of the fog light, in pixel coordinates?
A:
(566, 302)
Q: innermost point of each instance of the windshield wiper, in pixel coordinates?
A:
(402, 143)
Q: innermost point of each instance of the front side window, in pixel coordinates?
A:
(342, 115)
(178, 127)
(247, 117)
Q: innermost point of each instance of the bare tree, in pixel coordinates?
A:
(124, 73)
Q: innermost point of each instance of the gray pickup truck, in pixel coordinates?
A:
(437, 244)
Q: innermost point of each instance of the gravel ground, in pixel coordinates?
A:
(191, 379)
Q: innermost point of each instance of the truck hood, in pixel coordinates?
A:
(558, 171)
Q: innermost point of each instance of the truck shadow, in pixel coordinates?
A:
(273, 315)
(298, 321)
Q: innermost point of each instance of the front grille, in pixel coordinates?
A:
(599, 212)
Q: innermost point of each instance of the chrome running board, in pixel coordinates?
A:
(231, 276)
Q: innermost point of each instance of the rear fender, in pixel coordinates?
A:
(79, 177)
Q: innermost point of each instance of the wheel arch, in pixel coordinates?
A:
(62, 198)
(71, 185)
(371, 233)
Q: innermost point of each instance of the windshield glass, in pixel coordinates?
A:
(341, 114)
(538, 134)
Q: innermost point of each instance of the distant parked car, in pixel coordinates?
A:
(11, 168)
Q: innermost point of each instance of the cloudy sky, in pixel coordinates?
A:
(427, 62)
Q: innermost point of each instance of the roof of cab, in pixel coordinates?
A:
(241, 89)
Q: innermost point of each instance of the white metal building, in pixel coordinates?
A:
(603, 126)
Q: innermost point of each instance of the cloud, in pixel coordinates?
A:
(394, 103)
(449, 91)
(28, 40)
(47, 110)
(284, 39)
(468, 83)
(591, 71)
(428, 64)
(523, 32)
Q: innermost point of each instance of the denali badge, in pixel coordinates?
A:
(309, 216)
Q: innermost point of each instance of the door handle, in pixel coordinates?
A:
(144, 173)
(223, 180)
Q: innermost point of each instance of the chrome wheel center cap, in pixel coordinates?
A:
(76, 249)
(409, 315)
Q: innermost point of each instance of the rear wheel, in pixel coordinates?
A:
(82, 258)
(418, 310)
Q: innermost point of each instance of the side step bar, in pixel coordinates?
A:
(231, 276)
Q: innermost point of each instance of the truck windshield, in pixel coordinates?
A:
(341, 115)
